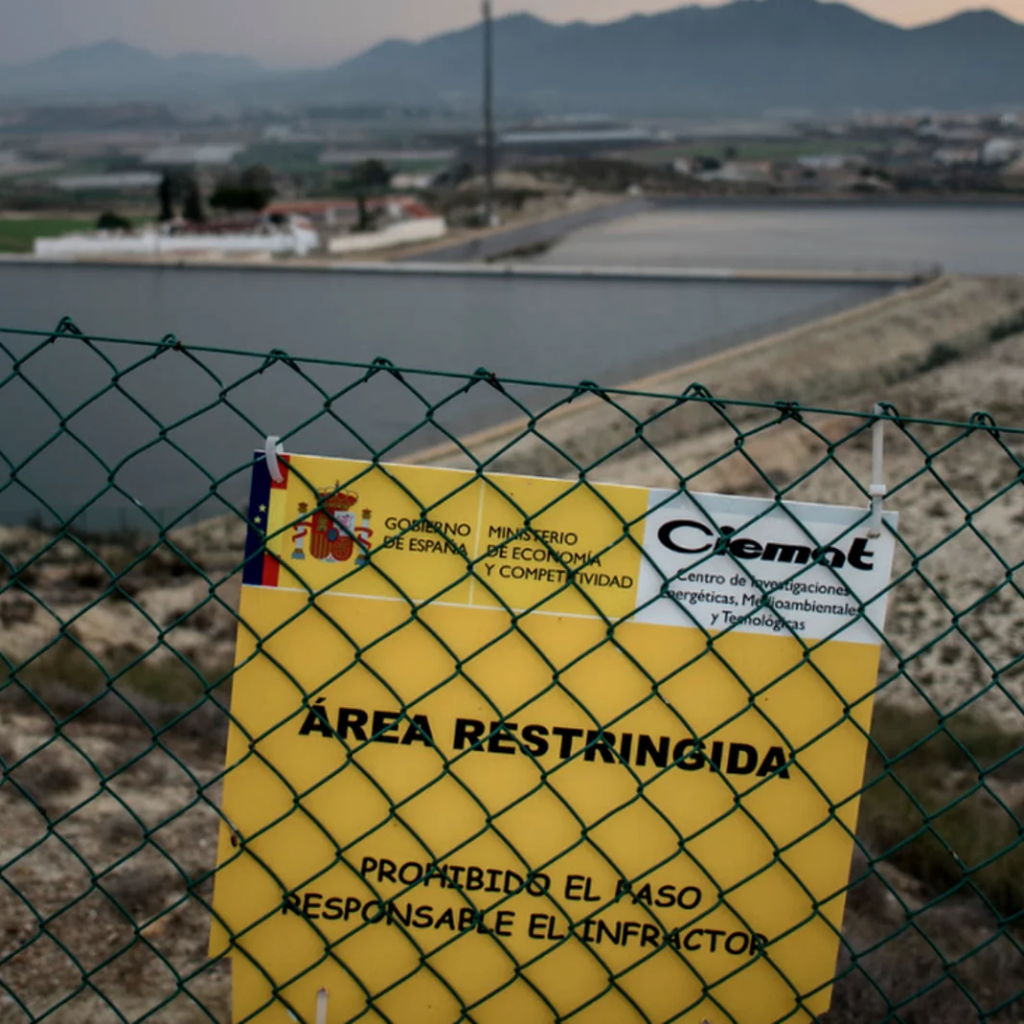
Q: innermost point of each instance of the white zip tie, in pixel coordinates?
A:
(878, 490)
(272, 448)
(321, 1006)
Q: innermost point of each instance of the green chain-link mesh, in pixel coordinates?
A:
(117, 625)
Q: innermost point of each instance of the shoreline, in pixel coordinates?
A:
(968, 201)
(863, 351)
(650, 384)
(536, 271)
(482, 247)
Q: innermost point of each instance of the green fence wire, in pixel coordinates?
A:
(117, 628)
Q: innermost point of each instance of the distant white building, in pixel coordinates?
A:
(412, 181)
(1000, 151)
(278, 133)
(959, 134)
(13, 164)
(956, 156)
(123, 182)
(294, 237)
(830, 161)
(741, 172)
(576, 137)
(212, 155)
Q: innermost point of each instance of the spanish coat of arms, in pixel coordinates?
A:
(331, 533)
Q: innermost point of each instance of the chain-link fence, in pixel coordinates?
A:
(118, 647)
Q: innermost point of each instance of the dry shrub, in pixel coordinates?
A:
(941, 860)
(120, 833)
(47, 775)
(930, 812)
(140, 888)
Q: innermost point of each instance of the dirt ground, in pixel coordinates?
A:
(103, 902)
(108, 817)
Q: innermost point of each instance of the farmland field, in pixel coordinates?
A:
(18, 235)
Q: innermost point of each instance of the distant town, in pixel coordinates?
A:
(135, 181)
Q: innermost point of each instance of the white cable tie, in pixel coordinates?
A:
(272, 449)
(321, 1006)
(878, 490)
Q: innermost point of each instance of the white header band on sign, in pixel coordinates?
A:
(756, 566)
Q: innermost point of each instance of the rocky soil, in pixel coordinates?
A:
(103, 910)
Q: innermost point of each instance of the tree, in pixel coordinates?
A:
(453, 176)
(259, 182)
(251, 190)
(192, 207)
(180, 187)
(370, 177)
(110, 221)
(165, 196)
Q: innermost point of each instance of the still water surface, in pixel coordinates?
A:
(964, 239)
(552, 330)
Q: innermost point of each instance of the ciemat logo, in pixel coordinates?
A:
(690, 537)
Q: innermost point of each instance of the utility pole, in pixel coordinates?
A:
(489, 212)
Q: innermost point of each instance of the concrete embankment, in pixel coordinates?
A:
(860, 353)
(705, 275)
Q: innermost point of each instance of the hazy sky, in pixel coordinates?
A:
(304, 32)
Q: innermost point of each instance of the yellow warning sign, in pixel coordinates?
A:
(524, 749)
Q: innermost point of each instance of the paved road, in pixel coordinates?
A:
(504, 242)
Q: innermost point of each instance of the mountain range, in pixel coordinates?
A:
(745, 57)
(114, 71)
